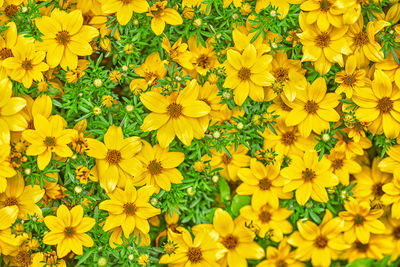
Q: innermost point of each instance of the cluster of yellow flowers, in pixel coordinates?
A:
(347, 108)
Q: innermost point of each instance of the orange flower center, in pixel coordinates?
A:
(113, 156)
(358, 220)
(203, 61)
(27, 64)
(151, 78)
(226, 159)
(281, 74)
(244, 74)
(63, 37)
(130, 208)
(5, 53)
(377, 189)
(194, 254)
(169, 248)
(230, 241)
(155, 167)
(23, 258)
(49, 141)
(288, 138)
(396, 232)
(157, 10)
(308, 175)
(361, 247)
(385, 104)
(10, 201)
(264, 184)
(174, 110)
(322, 40)
(321, 242)
(349, 80)
(361, 39)
(337, 164)
(325, 5)
(69, 231)
(126, 2)
(264, 216)
(311, 107)
(11, 10)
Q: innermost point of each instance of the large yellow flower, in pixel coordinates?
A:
(68, 230)
(175, 115)
(247, 73)
(309, 177)
(380, 106)
(324, 13)
(115, 159)
(158, 167)
(49, 136)
(313, 109)
(124, 8)
(392, 195)
(319, 243)
(129, 209)
(65, 38)
(161, 15)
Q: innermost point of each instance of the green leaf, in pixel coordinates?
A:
(367, 262)
(383, 262)
(224, 190)
(238, 202)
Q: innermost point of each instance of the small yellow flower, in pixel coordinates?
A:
(161, 15)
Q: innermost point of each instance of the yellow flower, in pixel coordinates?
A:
(47, 259)
(202, 251)
(175, 115)
(49, 136)
(204, 58)
(391, 163)
(351, 147)
(393, 230)
(320, 243)
(158, 167)
(324, 13)
(124, 8)
(235, 237)
(390, 66)
(360, 221)
(6, 45)
(24, 197)
(6, 169)
(376, 248)
(68, 230)
(380, 106)
(115, 159)
(11, 117)
(8, 242)
(129, 209)
(209, 94)
(247, 73)
(392, 194)
(230, 165)
(161, 15)
(26, 65)
(178, 52)
(263, 183)
(342, 167)
(282, 256)
(65, 38)
(309, 176)
(313, 109)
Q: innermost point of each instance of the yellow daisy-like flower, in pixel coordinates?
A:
(380, 106)
(247, 73)
(320, 243)
(161, 15)
(6, 45)
(6, 169)
(68, 230)
(158, 167)
(313, 109)
(129, 208)
(65, 38)
(49, 136)
(376, 248)
(263, 183)
(324, 13)
(178, 52)
(27, 65)
(360, 221)
(175, 115)
(392, 194)
(124, 8)
(204, 58)
(309, 176)
(393, 229)
(281, 256)
(342, 167)
(115, 159)
(8, 241)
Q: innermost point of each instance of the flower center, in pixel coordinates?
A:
(10, 201)
(230, 241)
(396, 232)
(203, 61)
(63, 37)
(308, 175)
(264, 184)
(5, 53)
(174, 110)
(194, 254)
(23, 258)
(169, 248)
(281, 74)
(281, 263)
(311, 107)
(50, 258)
(226, 159)
(151, 78)
(377, 190)
(158, 9)
(264, 216)
(337, 164)
(113, 156)
(320, 242)
(11, 10)
(49, 141)
(154, 167)
(288, 138)
(361, 39)
(69, 231)
(244, 73)
(349, 80)
(126, 2)
(322, 40)
(361, 247)
(385, 104)
(130, 208)
(27, 64)
(325, 5)
(358, 220)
